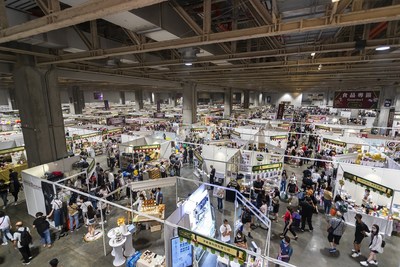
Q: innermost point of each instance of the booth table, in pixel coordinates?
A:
(385, 225)
(156, 211)
(119, 258)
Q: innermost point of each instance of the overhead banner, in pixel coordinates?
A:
(281, 109)
(198, 129)
(334, 142)
(267, 167)
(278, 137)
(148, 147)
(383, 190)
(12, 150)
(354, 99)
(215, 246)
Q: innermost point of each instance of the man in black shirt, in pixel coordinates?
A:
(361, 229)
(43, 228)
(258, 187)
(307, 210)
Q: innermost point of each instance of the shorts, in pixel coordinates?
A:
(334, 238)
(275, 208)
(374, 251)
(358, 239)
(91, 221)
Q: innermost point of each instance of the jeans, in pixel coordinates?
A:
(327, 206)
(220, 205)
(6, 233)
(71, 221)
(4, 198)
(45, 237)
(283, 186)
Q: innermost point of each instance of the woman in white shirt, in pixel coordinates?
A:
(139, 202)
(5, 227)
(375, 246)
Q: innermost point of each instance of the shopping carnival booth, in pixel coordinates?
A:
(382, 205)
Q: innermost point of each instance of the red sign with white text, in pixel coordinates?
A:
(356, 99)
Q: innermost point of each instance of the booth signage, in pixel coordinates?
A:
(383, 190)
(12, 150)
(114, 130)
(83, 136)
(278, 137)
(198, 156)
(281, 109)
(148, 147)
(222, 248)
(352, 99)
(334, 142)
(198, 130)
(235, 133)
(267, 167)
(322, 127)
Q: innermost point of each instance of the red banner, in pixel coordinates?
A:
(356, 99)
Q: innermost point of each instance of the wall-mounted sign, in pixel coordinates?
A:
(267, 167)
(147, 147)
(231, 251)
(116, 130)
(354, 99)
(383, 190)
(334, 142)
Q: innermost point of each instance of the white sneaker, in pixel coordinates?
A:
(364, 263)
(4, 244)
(355, 255)
(353, 250)
(4, 207)
(373, 262)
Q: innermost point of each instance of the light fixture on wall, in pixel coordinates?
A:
(320, 67)
(313, 54)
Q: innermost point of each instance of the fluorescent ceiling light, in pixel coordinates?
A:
(334, 1)
(188, 64)
(313, 54)
(382, 48)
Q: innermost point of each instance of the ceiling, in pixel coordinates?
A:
(265, 45)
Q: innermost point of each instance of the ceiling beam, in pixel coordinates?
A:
(206, 17)
(389, 13)
(262, 11)
(93, 35)
(90, 10)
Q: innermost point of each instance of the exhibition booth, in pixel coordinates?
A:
(342, 144)
(381, 206)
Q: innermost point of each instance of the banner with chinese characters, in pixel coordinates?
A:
(198, 130)
(356, 99)
(198, 156)
(267, 167)
(278, 137)
(147, 148)
(375, 187)
(231, 251)
(334, 142)
(281, 109)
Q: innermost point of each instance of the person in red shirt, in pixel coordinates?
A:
(288, 223)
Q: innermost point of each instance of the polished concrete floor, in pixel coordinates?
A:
(309, 249)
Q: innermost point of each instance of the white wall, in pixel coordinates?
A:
(294, 98)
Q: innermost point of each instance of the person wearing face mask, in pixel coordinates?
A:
(285, 250)
(367, 200)
(361, 230)
(375, 246)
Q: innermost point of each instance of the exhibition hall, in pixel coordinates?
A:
(199, 133)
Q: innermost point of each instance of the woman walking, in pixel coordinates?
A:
(288, 223)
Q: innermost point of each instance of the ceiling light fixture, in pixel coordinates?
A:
(188, 64)
(313, 54)
(334, 1)
(320, 67)
(382, 48)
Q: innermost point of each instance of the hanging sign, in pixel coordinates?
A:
(235, 134)
(84, 136)
(12, 150)
(361, 99)
(198, 156)
(321, 127)
(281, 109)
(334, 142)
(267, 167)
(116, 130)
(383, 190)
(198, 129)
(215, 246)
(278, 137)
(147, 147)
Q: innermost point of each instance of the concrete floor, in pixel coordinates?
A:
(309, 249)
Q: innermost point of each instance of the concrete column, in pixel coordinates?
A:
(228, 103)
(122, 97)
(189, 107)
(246, 99)
(256, 99)
(139, 99)
(76, 100)
(40, 111)
(383, 117)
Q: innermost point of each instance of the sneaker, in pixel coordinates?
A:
(364, 263)
(332, 250)
(355, 255)
(15, 203)
(301, 230)
(26, 263)
(310, 230)
(353, 250)
(4, 207)
(31, 257)
(373, 262)
(4, 244)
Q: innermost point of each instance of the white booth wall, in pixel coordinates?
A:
(221, 154)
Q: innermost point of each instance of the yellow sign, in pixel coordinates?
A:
(278, 137)
(334, 142)
(221, 247)
(369, 184)
(12, 150)
(151, 147)
(267, 167)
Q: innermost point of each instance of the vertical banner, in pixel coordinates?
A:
(281, 109)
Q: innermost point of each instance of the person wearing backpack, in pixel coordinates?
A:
(376, 246)
(22, 240)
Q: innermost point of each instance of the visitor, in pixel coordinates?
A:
(212, 175)
(220, 198)
(360, 233)
(84, 203)
(43, 228)
(190, 155)
(285, 250)
(225, 230)
(22, 240)
(4, 192)
(283, 181)
(288, 219)
(375, 246)
(163, 170)
(307, 211)
(275, 205)
(328, 199)
(91, 220)
(73, 215)
(159, 197)
(240, 240)
(246, 220)
(14, 185)
(5, 227)
(336, 228)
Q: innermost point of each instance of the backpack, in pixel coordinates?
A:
(343, 208)
(26, 238)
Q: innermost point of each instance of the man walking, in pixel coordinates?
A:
(361, 229)
(307, 210)
(22, 240)
(225, 230)
(14, 185)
